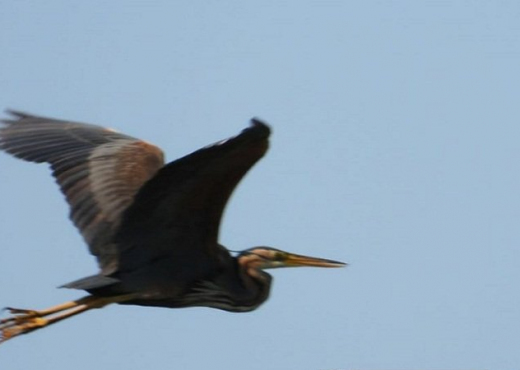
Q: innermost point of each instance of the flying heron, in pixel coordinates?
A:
(153, 227)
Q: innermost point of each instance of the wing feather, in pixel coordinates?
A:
(177, 213)
(99, 171)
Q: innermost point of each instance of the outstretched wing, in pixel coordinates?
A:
(99, 171)
(176, 215)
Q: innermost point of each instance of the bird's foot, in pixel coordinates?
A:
(21, 321)
(18, 311)
(24, 321)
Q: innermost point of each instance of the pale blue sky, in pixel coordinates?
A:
(395, 149)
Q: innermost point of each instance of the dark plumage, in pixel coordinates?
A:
(152, 227)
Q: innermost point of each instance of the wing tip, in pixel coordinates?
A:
(15, 116)
(15, 112)
(260, 126)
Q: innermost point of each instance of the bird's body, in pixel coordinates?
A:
(152, 227)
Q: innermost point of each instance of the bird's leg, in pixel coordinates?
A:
(25, 321)
(21, 314)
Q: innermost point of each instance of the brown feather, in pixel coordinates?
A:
(99, 171)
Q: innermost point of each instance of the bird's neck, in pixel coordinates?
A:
(245, 288)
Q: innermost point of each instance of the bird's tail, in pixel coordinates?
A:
(91, 282)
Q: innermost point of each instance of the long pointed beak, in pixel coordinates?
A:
(294, 260)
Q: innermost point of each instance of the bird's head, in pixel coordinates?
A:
(261, 258)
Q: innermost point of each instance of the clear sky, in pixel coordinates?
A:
(395, 148)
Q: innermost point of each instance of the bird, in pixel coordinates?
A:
(153, 227)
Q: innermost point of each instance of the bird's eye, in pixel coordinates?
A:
(279, 256)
